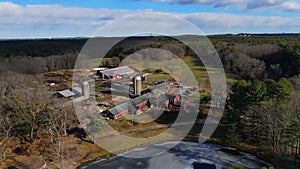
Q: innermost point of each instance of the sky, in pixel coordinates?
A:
(79, 18)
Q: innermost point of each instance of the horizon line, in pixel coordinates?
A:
(153, 35)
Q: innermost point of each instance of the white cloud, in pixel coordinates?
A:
(57, 20)
(228, 21)
(277, 5)
(13, 13)
(280, 5)
(227, 3)
(291, 6)
(217, 3)
(262, 3)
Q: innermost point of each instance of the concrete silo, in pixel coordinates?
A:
(86, 89)
(137, 85)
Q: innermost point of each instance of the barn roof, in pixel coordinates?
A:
(118, 70)
(162, 87)
(140, 99)
(121, 108)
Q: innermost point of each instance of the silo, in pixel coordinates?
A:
(86, 89)
(137, 85)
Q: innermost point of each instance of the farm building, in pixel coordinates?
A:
(162, 95)
(120, 110)
(141, 103)
(74, 91)
(173, 98)
(134, 106)
(115, 72)
(163, 87)
(98, 69)
(158, 99)
(141, 100)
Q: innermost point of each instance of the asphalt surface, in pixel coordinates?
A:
(182, 156)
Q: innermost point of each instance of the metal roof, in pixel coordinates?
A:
(140, 99)
(99, 68)
(66, 93)
(118, 70)
(71, 92)
(121, 108)
(76, 90)
(157, 96)
(163, 87)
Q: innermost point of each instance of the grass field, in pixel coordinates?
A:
(158, 77)
(184, 70)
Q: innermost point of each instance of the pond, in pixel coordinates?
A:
(185, 155)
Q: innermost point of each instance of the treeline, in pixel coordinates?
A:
(264, 113)
(37, 65)
(268, 61)
(39, 47)
(262, 109)
(254, 57)
(133, 44)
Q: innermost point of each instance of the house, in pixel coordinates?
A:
(115, 72)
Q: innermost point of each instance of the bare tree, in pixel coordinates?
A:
(6, 126)
(29, 107)
(50, 64)
(58, 121)
(248, 68)
(56, 127)
(275, 118)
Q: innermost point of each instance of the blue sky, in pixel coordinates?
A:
(76, 18)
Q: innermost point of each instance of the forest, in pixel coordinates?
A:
(262, 108)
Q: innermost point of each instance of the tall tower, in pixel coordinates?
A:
(86, 89)
(137, 85)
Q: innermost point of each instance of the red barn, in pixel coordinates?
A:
(120, 110)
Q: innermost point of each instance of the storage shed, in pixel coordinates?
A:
(70, 92)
